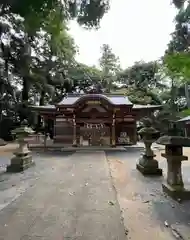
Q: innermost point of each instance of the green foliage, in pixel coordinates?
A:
(179, 3)
(178, 64)
(87, 13)
(110, 66)
(141, 75)
(109, 63)
(180, 36)
(185, 113)
(142, 96)
(142, 79)
(84, 77)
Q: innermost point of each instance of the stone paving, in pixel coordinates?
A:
(72, 199)
(82, 196)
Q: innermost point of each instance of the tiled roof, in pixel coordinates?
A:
(45, 107)
(113, 99)
(184, 119)
(137, 106)
(69, 100)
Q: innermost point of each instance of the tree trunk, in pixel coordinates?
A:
(42, 102)
(173, 96)
(42, 98)
(25, 97)
(187, 95)
(25, 90)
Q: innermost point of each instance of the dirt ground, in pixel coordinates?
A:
(146, 210)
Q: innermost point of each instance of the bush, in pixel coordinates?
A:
(6, 126)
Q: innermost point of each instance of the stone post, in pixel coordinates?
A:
(174, 185)
(74, 132)
(23, 158)
(147, 165)
(113, 132)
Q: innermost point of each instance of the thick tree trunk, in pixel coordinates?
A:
(25, 97)
(173, 97)
(42, 102)
(42, 98)
(187, 95)
(25, 90)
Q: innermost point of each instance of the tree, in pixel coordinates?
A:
(141, 80)
(109, 65)
(141, 75)
(179, 3)
(38, 55)
(177, 55)
(178, 64)
(84, 77)
(87, 13)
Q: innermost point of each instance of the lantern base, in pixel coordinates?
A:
(177, 193)
(148, 166)
(20, 163)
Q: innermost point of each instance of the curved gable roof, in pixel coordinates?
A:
(112, 99)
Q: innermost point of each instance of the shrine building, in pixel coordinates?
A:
(95, 119)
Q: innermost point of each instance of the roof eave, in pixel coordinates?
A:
(147, 107)
(42, 109)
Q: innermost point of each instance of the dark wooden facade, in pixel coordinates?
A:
(95, 119)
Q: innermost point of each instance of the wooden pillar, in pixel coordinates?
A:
(74, 131)
(186, 130)
(54, 124)
(135, 133)
(113, 132)
(44, 126)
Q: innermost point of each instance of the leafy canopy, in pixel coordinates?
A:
(87, 12)
(178, 64)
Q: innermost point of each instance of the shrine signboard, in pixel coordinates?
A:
(94, 125)
(123, 138)
(93, 102)
(94, 129)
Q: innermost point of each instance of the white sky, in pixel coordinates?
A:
(136, 30)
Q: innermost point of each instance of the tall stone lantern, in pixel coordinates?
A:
(174, 185)
(147, 165)
(23, 158)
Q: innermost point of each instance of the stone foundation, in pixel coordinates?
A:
(149, 171)
(175, 192)
(148, 166)
(20, 162)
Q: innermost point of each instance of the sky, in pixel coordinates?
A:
(136, 30)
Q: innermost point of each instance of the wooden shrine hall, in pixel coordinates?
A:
(95, 119)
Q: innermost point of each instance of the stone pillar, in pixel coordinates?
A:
(74, 132)
(174, 185)
(174, 158)
(135, 133)
(113, 142)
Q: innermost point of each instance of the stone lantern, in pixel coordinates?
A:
(147, 165)
(23, 158)
(174, 185)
